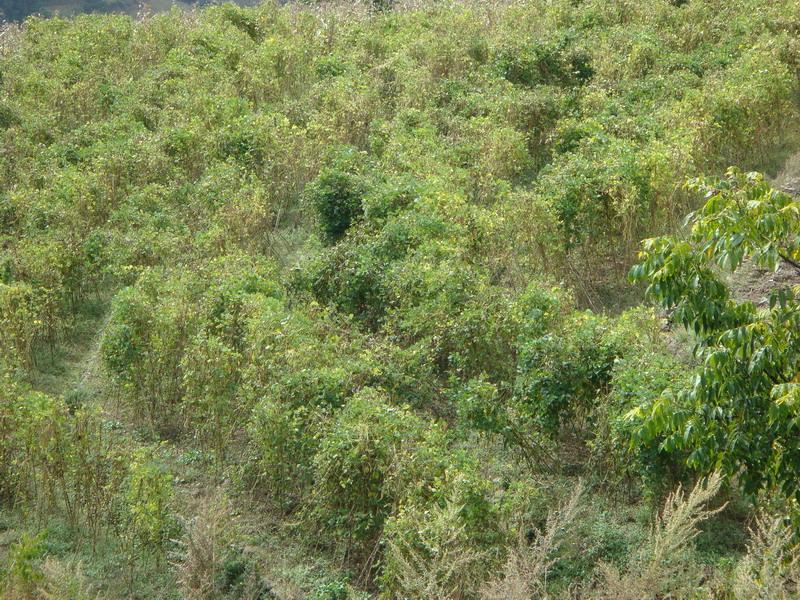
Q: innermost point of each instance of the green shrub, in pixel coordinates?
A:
(561, 374)
(638, 381)
(283, 441)
(57, 460)
(24, 571)
(174, 341)
(22, 325)
(148, 519)
(366, 461)
(143, 345)
(210, 403)
(337, 194)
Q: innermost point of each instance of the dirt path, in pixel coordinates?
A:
(74, 367)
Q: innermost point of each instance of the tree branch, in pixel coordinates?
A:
(793, 263)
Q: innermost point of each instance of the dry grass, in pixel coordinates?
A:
(64, 580)
(771, 567)
(447, 569)
(208, 536)
(48, 579)
(659, 571)
(789, 177)
(10, 37)
(525, 572)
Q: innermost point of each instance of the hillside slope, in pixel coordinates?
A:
(326, 301)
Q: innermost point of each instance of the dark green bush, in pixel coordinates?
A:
(637, 381)
(337, 194)
(561, 374)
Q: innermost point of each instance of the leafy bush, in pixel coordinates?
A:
(637, 382)
(562, 373)
(174, 341)
(24, 571)
(364, 466)
(336, 195)
(148, 519)
(22, 324)
(301, 367)
(211, 381)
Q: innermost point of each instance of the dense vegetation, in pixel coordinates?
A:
(19, 10)
(332, 301)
